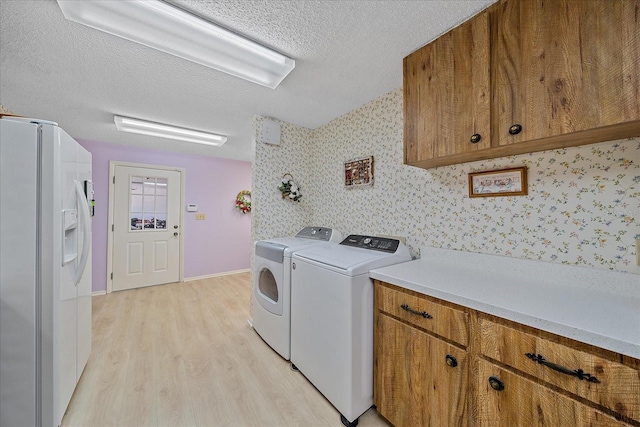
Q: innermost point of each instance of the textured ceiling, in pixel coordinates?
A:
(347, 53)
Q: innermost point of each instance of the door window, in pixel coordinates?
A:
(268, 286)
(148, 203)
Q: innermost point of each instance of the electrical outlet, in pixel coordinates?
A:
(200, 216)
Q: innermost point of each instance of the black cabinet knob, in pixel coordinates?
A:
(475, 138)
(451, 361)
(515, 129)
(496, 384)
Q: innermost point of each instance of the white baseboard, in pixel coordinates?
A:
(208, 276)
(190, 279)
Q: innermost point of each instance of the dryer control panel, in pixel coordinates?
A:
(372, 242)
(316, 233)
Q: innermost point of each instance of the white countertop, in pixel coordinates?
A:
(597, 307)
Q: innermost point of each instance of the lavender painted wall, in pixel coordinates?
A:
(218, 244)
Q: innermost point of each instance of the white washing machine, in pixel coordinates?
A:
(332, 317)
(272, 284)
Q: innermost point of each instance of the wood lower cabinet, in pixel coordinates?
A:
(421, 381)
(421, 363)
(441, 364)
(506, 399)
(603, 381)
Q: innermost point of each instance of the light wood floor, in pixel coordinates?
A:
(183, 355)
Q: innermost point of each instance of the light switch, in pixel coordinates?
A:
(200, 216)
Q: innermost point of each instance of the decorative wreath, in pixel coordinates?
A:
(242, 203)
(289, 188)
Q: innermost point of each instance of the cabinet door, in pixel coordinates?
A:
(446, 93)
(565, 66)
(416, 385)
(525, 403)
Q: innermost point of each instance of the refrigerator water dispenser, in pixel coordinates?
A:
(70, 237)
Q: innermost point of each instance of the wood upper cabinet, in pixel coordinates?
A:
(447, 95)
(566, 71)
(566, 66)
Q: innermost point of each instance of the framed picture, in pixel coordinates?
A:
(358, 172)
(503, 182)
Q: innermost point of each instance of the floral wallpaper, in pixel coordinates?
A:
(583, 206)
(4, 110)
(271, 215)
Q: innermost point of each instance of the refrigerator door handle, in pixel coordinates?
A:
(83, 207)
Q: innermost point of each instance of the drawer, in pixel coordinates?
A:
(424, 313)
(617, 386)
(506, 399)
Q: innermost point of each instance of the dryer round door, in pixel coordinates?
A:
(268, 286)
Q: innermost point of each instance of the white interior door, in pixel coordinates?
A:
(146, 227)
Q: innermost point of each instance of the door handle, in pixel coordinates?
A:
(419, 313)
(579, 373)
(86, 237)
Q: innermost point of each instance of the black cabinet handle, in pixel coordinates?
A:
(515, 129)
(451, 361)
(496, 384)
(418, 313)
(578, 373)
(475, 138)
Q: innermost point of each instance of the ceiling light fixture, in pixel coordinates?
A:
(158, 25)
(143, 127)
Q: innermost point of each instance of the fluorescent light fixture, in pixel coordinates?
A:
(159, 25)
(143, 127)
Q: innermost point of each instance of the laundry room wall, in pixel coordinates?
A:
(583, 206)
(274, 216)
(219, 244)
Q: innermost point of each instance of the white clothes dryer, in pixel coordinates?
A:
(271, 287)
(332, 318)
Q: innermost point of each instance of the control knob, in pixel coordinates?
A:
(367, 241)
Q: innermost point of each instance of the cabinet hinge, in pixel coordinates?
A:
(114, 179)
(111, 276)
(112, 227)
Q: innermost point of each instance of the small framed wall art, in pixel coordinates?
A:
(503, 182)
(358, 172)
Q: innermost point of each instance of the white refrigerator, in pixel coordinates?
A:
(46, 197)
